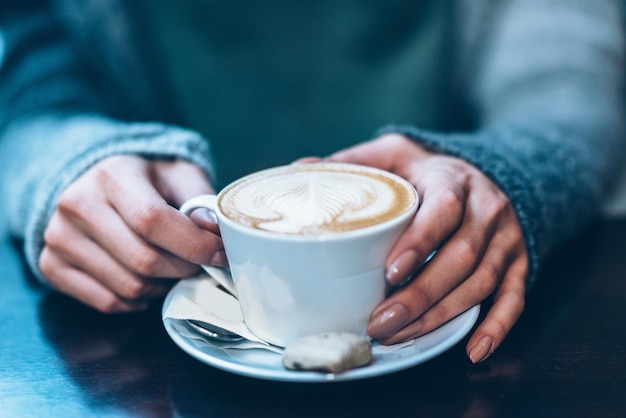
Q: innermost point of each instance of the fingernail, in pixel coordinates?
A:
(402, 267)
(219, 259)
(416, 327)
(388, 321)
(481, 350)
(308, 160)
(206, 215)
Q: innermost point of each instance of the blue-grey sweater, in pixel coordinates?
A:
(539, 84)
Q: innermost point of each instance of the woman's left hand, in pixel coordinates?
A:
(480, 247)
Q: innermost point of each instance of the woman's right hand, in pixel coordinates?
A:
(116, 239)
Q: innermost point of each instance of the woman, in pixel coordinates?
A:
(518, 105)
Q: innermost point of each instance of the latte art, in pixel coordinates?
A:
(315, 199)
(309, 201)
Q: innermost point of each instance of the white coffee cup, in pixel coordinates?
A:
(292, 284)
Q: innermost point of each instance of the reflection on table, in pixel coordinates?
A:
(566, 357)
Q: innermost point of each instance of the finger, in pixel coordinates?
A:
(481, 283)
(450, 196)
(308, 160)
(440, 214)
(66, 279)
(179, 181)
(148, 215)
(451, 266)
(105, 227)
(455, 261)
(383, 153)
(506, 310)
(75, 248)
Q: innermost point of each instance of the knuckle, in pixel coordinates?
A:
(46, 265)
(132, 289)
(420, 298)
(489, 280)
(467, 250)
(201, 249)
(104, 173)
(515, 234)
(145, 261)
(109, 304)
(451, 201)
(501, 329)
(497, 207)
(391, 139)
(515, 300)
(200, 252)
(502, 203)
(53, 236)
(518, 236)
(147, 219)
(438, 313)
(72, 203)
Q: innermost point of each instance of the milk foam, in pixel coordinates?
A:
(313, 201)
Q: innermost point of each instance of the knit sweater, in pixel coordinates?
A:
(538, 83)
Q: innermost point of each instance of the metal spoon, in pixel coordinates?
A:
(213, 331)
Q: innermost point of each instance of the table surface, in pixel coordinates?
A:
(566, 357)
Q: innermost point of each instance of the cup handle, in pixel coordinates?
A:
(209, 202)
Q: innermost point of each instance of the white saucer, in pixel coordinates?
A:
(268, 365)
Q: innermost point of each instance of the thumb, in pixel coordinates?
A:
(178, 181)
(380, 153)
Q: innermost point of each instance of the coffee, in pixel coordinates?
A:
(306, 276)
(316, 199)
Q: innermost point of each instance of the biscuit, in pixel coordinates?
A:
(332, 352)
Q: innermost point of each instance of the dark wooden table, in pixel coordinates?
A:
(565, 358)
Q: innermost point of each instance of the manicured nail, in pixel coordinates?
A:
(481, 350)
(219, 259)
(388, 321)
(402, 267)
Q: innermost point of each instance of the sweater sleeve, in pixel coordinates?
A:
(54, 123)
(544, 81)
